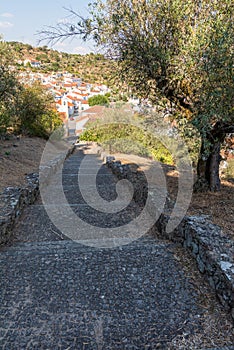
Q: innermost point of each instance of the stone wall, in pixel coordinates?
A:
(14, 199)
(213, 251)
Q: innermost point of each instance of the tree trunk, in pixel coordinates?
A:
(214, 161)
(208, 170)
(208, 167)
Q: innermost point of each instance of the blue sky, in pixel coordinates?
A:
(20, 20)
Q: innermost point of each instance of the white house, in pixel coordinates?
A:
(87, 115)
(62, 105)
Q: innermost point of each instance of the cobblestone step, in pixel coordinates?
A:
(73, 171)
(36, 225)
(58, 293)
(62, 294)
(74, 196)
(145, 244)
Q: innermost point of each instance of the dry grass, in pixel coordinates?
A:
(19, 157)
(219, 206)
(216, 327)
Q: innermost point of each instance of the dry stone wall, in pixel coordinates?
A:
(213, 251)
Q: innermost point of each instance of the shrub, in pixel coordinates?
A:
(128, 139)
(98, 100)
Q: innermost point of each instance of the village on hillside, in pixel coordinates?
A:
(71, 96)
(71, 93)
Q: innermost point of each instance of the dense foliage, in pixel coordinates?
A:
(119, 132)
(35, 112)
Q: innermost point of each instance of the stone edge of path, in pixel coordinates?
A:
(13, 200)
(211, 249)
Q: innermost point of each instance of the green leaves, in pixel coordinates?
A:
(127, 138)
(98, 100)
(24, 109)
(35, 112)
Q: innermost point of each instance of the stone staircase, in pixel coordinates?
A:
(68, 291)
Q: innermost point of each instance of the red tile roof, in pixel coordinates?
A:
(94, 110)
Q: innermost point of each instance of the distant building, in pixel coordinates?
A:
(89, 114)
(33, 64)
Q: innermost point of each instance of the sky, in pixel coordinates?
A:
(20, 20)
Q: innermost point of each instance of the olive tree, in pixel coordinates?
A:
(177, 53)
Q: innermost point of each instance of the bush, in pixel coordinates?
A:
(126, 146)
(98, 100)
(128, 139)
(35, 113)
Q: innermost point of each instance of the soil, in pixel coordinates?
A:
(218, 206)
(21, 156)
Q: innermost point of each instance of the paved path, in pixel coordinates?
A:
(57, 293)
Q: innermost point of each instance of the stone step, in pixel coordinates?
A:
(65, 294)
(82, 246)
(98, 217)
(74, 195)
(61, 295)
(73, 170)
(58, 292)
(89, 178)
(71, 162)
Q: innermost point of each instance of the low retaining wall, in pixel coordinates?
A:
(13, 200)
(214, 253)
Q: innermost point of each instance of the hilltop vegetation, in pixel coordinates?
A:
(94, 68)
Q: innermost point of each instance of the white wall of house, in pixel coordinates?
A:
(80, 124)
(64, 106)
(95, 93)
(83, 106)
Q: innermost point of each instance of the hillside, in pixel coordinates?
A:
(94, 68)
